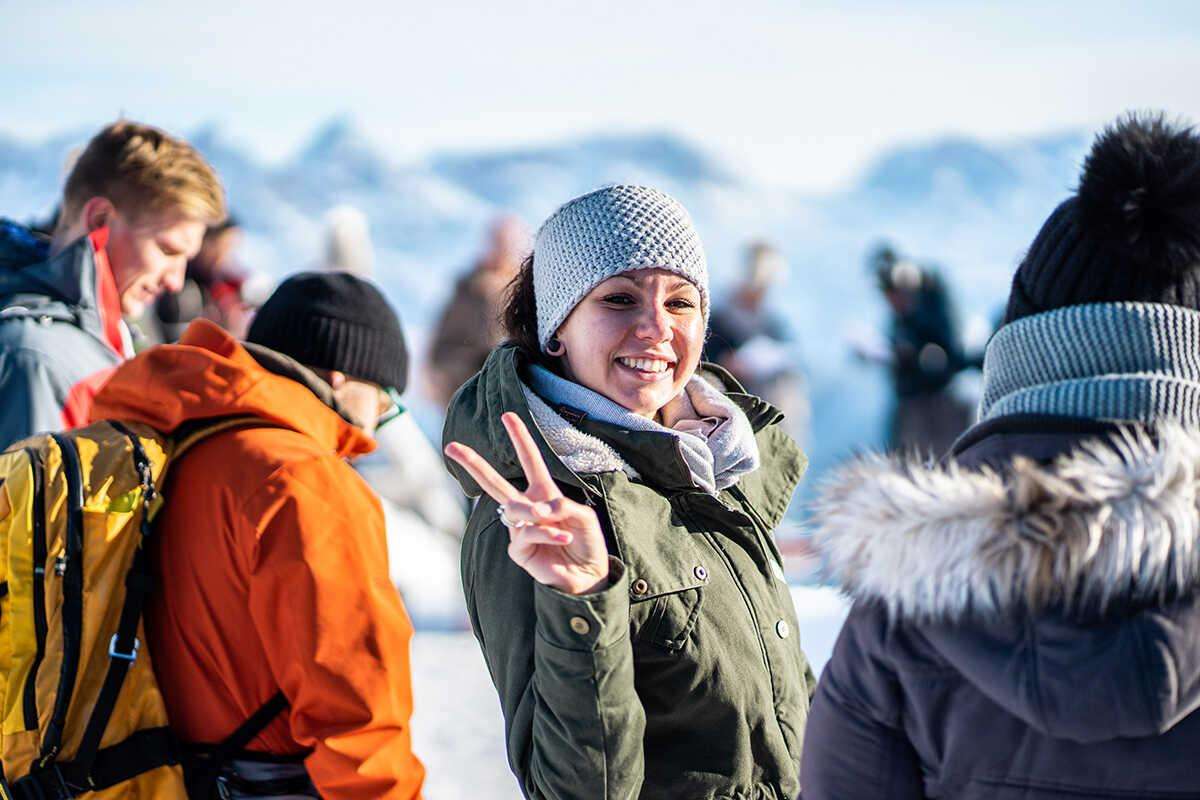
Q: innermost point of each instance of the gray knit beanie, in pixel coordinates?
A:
(608, 232)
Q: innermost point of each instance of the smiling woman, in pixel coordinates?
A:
(621, 572)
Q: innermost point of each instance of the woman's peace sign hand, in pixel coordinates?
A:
(553, 538)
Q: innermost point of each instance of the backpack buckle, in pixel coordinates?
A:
(130, 656)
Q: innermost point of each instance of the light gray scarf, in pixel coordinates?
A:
(714, 435)
(1128, 362)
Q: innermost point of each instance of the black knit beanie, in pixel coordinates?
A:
(1131, 232)
(335, 321)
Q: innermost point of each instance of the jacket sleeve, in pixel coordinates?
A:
(855, 747)
(563, 666)
(334, 630)
(30, 396)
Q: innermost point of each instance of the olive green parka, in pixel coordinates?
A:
(684, 678)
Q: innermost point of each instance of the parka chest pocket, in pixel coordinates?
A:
(666, 618)
(671, 619)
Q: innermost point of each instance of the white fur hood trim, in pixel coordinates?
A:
(1101, 524)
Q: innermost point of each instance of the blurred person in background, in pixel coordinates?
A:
(212, 289)
(134, 210)
(754, 343)
(1026, 619)
(924, 355)
(422, 506)
(469, 326)
(348, 246)
(271, 560)
(629, 598)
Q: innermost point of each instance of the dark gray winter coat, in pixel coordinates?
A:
(1026, 622)
(57, 328)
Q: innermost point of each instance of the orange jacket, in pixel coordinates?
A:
(273, 570)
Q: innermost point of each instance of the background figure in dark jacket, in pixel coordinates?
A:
(926, 354)
(1032, 630)
(470, 323)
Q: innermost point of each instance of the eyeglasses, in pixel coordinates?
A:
(390, 406)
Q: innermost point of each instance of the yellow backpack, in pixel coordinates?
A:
(81, 711)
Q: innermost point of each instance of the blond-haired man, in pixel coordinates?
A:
(134, 210)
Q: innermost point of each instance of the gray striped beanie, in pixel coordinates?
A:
(608, 232)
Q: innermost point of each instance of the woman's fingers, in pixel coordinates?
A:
(531, 459)
(529, 535)
(525, 512)
(488, 479)
(533, 523)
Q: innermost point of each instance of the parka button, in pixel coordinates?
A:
(640, 586)
(782, 629)
(580, 625)
(701, 573)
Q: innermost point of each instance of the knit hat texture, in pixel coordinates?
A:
(605, 233)
(335, 321)
(1130, 233)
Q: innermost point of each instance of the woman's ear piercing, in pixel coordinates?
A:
(554, 347)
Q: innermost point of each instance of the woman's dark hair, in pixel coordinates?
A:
(519, 316)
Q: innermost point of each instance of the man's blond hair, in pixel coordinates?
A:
(142, 169)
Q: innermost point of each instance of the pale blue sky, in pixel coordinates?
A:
(799, 94)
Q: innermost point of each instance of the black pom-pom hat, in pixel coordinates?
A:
(1131, 232)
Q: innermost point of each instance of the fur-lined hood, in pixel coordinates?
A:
(1108, 522)
(1066, 591)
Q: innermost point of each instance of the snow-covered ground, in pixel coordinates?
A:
(457, 728)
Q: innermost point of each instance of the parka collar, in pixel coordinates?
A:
(1110, 521)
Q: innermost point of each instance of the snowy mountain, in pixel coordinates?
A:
(969, 206)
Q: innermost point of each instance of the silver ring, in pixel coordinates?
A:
(508, 522)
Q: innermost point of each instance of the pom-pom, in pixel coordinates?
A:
(1140, 189)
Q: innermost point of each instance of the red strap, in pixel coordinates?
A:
(108, 299)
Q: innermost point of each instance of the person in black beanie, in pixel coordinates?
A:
(342, 327)
(271, 562)
(1026, 619)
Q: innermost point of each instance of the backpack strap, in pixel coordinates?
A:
(143, 751)
(188, 437)
(124, 646)
(252, 727)
(203, 763)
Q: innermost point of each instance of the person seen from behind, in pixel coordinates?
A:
(1026, 617)
(620, 568)
(271, 555)
(470, 326)
(134, 210)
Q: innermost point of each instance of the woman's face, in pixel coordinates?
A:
(635, 338)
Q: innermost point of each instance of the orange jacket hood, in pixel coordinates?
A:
(209, 374)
